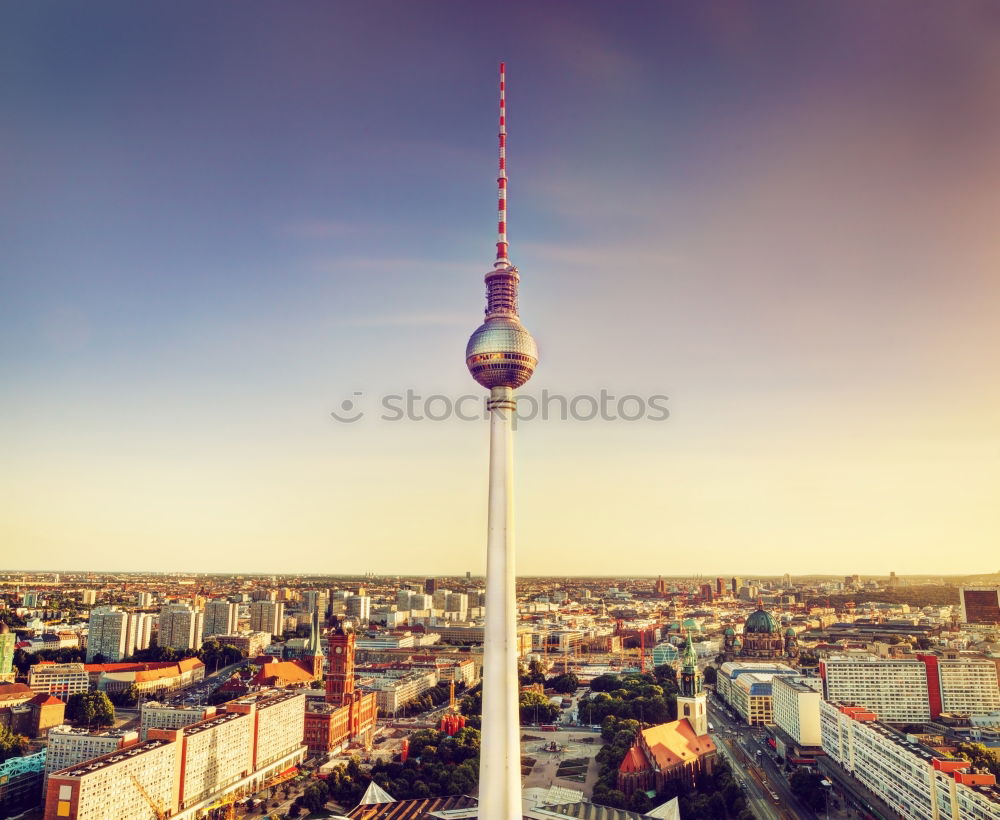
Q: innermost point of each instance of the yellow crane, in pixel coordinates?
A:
(158, 811)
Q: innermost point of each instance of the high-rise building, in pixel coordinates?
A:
(88, 597)
(267, 616)
(107, 634)
(404, 599)
(457, 603)
(68, 746)
(180, 627)
(430, 586)
(316, 600)
(8, 642)
(735, 585)
(895, 688)
(979, 605)
(221, 618)
(501, 356)
(795, 702)
(140, 632)
(721, 588)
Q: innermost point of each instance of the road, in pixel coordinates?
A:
(764, 777)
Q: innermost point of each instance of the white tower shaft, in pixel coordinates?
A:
(500, 759)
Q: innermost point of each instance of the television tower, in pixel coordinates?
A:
(501, 356)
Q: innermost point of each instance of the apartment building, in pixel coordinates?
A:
(107, 634)
(267, 616)
(180, 772)
(914, 780)
(180, 627)
(59, 679)
(221, 618)
(968, 685)
(913, 689)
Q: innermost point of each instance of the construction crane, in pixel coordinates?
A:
(158, 811)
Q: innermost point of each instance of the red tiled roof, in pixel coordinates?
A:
(285, 672)
(634, 761)
(14, 691)
(675, 742)
(46, 700)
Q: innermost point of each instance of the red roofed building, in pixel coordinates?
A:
(153, 676)
(679, 750)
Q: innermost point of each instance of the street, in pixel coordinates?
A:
(768, 790)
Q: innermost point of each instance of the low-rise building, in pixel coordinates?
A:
(155, 715)
(394, 688)
(69, 746)
(59, 679)
(746, 687)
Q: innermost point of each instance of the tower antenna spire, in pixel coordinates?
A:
(502, 258)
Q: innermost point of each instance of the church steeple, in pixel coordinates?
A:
(692, 701)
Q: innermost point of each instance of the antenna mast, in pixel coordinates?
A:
(502, 181)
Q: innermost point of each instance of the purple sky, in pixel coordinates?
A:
(221, 220)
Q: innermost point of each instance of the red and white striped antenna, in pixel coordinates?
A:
(502, 259)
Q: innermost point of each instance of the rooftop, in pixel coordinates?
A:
(110, 759)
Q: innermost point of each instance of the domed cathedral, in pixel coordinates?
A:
(762, 638)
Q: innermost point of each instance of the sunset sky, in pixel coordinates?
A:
(219, 221)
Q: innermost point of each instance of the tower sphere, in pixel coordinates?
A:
(501, 353)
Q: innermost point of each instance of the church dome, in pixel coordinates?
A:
(729, 631)
(790, 632)
(760, 622)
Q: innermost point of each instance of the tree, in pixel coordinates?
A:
(639, 802)
(564, 683)
(710, 675)
(980, 756)
(90, 708)
(924, 643)
(537, 708)
(11, 745)
(535, 673)
(807, 786)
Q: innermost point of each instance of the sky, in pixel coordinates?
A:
(222, 221)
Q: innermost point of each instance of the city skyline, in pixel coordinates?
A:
(216, 238)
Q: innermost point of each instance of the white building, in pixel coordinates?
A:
(140, 631)
(394, 688)
(68, 746)
(180, 627)
(157, 715)
(359, 608)
(968, 685)
(746, 687)
(795, 702)
(912, 779)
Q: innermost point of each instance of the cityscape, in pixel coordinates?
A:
(738, 493)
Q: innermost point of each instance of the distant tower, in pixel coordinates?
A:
(501, 356)
(692, 699)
